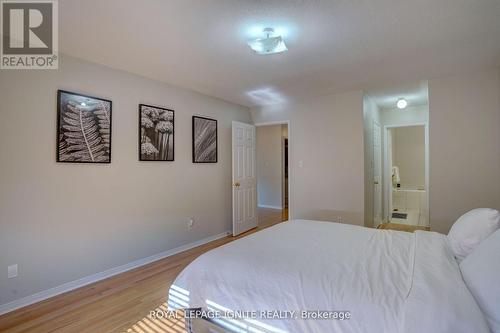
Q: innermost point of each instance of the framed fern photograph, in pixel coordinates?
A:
(204, 140)
(83, 128)
(156, 133)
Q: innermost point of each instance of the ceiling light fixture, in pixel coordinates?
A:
(401, 103)
(268, 45)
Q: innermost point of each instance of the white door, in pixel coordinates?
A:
(377, 174)
(244, 178)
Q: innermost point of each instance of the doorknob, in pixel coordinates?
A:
(237, 184)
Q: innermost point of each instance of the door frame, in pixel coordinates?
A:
(282, 122)
(284, 185)
(387, 172)
(381, 181)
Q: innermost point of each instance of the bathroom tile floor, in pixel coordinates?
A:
(414, 217)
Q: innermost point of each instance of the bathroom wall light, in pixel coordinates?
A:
(401, 103)
(268, 45)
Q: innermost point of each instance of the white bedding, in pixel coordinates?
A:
(389, 281)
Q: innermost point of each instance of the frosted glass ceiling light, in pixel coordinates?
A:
(401, 103)
(268, 45)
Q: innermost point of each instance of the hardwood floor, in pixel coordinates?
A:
(121, 303)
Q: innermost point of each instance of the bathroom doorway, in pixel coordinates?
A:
(406, 167)
(396, 137)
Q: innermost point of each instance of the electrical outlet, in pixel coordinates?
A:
(190, 223)
(339, 219)
(12, 271)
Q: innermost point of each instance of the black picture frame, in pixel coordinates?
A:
(161, 155)
(98, 121)
(210, 156)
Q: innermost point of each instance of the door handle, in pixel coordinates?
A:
(375, 182)
(237, 184)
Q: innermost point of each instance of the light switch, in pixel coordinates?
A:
(301, 164)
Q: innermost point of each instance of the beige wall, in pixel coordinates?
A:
(269, 166)
(284, 130)
(408, 144)
(326, 156)
(464, 145)
(61, 222)
(410, 115)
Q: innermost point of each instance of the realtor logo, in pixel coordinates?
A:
(29, 34)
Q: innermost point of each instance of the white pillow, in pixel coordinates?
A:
(481, 272)
(470, 229)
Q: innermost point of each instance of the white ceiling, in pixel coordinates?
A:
(334, 45)
(415, 93)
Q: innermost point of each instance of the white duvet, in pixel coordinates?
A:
(388, 281)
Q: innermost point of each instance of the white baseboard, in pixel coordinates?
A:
(43, 295)
(272, 207)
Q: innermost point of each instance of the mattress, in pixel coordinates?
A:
(317, 277)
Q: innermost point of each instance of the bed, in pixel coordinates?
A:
(287, 277)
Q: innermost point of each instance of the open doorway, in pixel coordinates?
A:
(272, 151)
(396, 141)
(407, 174)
